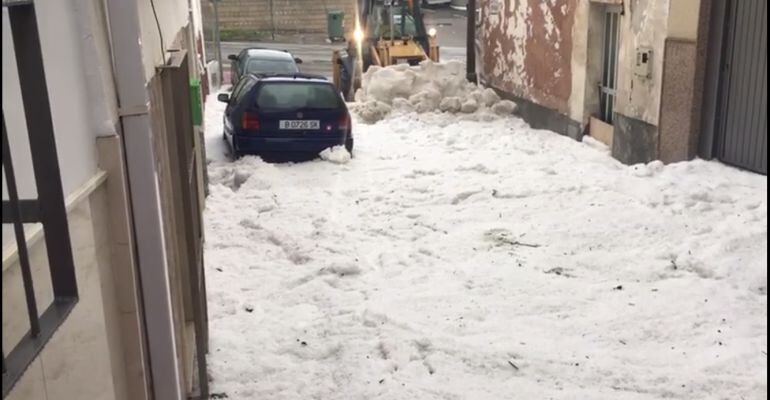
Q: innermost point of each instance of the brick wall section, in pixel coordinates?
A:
(288, 15)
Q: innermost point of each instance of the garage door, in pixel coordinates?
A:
(742, 126)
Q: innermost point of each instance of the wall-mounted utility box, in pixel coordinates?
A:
(643, 63)
(495, 6)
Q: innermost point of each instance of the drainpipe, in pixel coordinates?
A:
(470, 42)
(218, 44)
(133, 103)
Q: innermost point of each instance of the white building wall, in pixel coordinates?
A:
(84, 106)
(67, 90)
(198, 23)
(75, 42)
(172, 16)
(100, 84)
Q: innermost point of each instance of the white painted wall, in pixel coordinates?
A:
(172, 16)
(67, 90)
(198, 20)
(644, 24)
(198, 23)
(97, 68)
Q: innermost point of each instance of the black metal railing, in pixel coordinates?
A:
(48, 208)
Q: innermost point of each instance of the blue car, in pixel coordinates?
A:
(285, 113)
(256, 60)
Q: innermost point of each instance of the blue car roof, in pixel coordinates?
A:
(291, 77)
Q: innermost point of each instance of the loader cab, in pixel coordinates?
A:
(379, 23)
(407, 21)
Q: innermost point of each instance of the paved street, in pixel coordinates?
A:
(316, 57)
(316, 54)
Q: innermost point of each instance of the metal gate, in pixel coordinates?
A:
(741, 138)
(178, 163)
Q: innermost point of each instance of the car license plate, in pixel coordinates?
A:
(300, 124)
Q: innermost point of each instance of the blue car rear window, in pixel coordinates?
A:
(297, 95)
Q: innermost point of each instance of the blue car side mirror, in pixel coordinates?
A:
(223, 97)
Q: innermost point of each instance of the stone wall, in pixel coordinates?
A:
(254, 16)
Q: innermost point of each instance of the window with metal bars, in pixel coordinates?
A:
(47, 209)
(610, 47)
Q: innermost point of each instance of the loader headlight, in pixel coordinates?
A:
(432, 32)
(358, 35)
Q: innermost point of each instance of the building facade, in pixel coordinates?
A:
(103, 171)
(653, 79)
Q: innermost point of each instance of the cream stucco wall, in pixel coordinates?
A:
(683, 19)
(580, 63)
(515, 50)
(644, 25)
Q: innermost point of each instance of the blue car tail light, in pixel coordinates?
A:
(250, 121)
(344, 122)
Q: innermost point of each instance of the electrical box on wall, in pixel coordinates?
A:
(643, 64)
(495, 6)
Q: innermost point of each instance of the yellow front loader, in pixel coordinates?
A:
(388, 32)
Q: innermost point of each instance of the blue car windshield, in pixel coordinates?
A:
(298, 95)
(271, 66)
